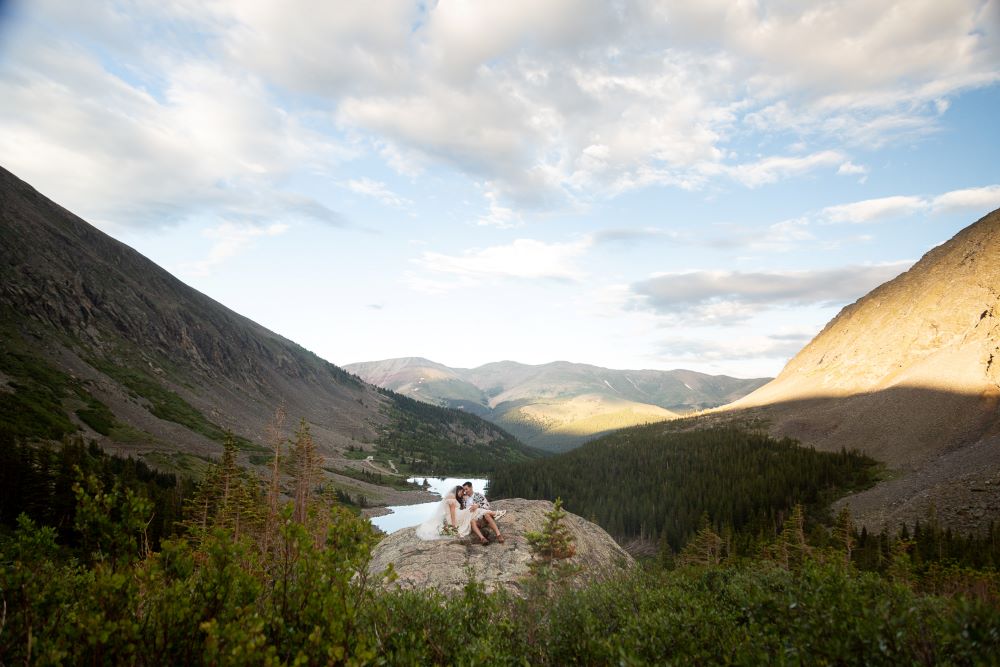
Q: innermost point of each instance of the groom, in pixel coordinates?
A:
(476, 503)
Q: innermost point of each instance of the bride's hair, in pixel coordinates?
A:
(455, 492)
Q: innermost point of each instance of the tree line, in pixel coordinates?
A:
(651, 483)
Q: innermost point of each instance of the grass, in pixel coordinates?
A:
(178, 463)
(169, 406)
(373, 477)
(33, 407)
(97, 416)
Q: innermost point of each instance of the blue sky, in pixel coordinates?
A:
(633, 184)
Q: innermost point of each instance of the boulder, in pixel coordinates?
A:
(446, 564)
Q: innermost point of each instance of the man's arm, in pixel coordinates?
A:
(481, 500)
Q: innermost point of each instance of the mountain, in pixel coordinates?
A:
(910, 373)
(559, 405)
(97, 340)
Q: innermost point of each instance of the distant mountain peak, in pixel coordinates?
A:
(560, 404)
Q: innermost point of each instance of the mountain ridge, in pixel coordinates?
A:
(100, 341)
(909, 373)
(560, 404)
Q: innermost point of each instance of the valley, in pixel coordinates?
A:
(556, 406)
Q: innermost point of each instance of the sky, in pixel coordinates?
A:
(630, 184)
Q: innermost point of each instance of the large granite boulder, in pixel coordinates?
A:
(445, 564)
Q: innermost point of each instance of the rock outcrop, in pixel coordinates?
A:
(445, 564)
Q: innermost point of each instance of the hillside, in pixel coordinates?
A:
(97, 340)
(559, 405)
(909, 374)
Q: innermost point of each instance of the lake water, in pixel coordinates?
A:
(404, 516)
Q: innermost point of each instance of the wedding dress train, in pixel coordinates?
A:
(433, 527)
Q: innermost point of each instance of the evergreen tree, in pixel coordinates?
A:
(705, 548)
(843, 533)
(550, 548)
(791, 549)
(305, 467)
(228, 497)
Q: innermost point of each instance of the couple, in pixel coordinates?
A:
(461, 511)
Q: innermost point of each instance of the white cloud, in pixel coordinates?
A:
(849, 168)
(874, 209)
(378, 190)
(730, 297)
(210, 141)
(228, 240)
(983, 199)
(700, 350)
(498, 215)
(774, 168)
(566, 100)
(526, 259)
(581, 99)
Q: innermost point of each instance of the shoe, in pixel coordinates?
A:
(497, 515)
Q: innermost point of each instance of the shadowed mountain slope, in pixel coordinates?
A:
(98, 340)
(910, 374)
(559, 405)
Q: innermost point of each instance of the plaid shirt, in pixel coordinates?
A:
(477, 499)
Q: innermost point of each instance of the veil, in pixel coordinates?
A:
(430, 529)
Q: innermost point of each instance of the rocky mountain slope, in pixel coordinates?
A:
(445, 564)
(910, 374)
(95, 339)
(559, 405)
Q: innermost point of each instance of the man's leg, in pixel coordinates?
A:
(493, 526)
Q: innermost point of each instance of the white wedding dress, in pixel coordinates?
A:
(430, 529)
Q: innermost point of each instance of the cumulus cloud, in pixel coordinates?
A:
(566, 100)
(869, 210)
(208, 141)
(580, 98)
(874, 209)
(730, 297)
(985, 198)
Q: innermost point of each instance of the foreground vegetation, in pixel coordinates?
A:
(244, 578)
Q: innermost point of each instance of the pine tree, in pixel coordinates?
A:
(843, 533)
(228, 497)
(305, 467)
(275, 438)
(791, 549)
(705, 548)
(550, 548)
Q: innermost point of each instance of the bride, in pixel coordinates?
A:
(448, 519)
